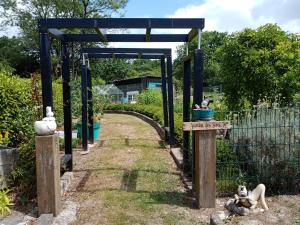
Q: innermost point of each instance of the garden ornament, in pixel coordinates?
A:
(245, 200)
(205, 103)
(47, 125)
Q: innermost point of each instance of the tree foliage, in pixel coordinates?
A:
(143, 67)
(14, 53)
(210, 42)
(25, 15)
(261, 64)
(110, 69)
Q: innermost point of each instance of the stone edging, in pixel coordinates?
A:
(154, 124)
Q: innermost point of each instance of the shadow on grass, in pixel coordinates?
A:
(129, 183)
(129, 180)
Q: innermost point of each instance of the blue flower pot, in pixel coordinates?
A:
(203, 114)
(97, 129)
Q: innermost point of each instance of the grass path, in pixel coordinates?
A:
(134, 184)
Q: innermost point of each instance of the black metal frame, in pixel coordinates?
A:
(52, 26)
(135, 53)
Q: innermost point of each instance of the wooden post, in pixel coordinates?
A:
(205, 160)
(205, 168)
(48, 174)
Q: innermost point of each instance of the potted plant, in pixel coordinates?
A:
(98, 103)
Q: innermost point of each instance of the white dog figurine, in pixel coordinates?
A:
(249, 199)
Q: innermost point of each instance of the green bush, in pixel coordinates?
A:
(150, 96)
(5, 202)
(58, 101)
(153, 111)
(17, 113)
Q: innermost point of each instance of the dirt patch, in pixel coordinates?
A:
(283, 209)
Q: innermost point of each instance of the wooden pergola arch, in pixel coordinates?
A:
(52, 27)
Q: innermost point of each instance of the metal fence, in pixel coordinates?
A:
(262, 147)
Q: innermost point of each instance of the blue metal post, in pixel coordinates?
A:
(67, 103)
(90, 105)
(45, 65)
(198, 91)
(164, 93)
(170, 99)
(84, 115)
(186, 112)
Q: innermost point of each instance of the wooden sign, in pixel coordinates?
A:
(207, 125)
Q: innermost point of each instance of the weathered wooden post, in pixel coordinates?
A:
(48, 174)
(205, 159)
(47, 165)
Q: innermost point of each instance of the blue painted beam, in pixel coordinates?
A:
(57, 33)
(148, 34)
(167, 23)
(166, 51)
(125, 56)
(126, 38)
(102, 36)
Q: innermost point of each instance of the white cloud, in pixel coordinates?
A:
(234, 15)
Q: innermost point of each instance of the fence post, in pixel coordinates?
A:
(48, 174)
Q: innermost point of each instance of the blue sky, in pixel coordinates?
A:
(155, 8)
(221, 15)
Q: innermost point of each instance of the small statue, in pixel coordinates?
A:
(47, 126)
(250, 199)
(245, 201)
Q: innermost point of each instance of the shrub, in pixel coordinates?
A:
(58, 101)
(153, 111)
(150, 96)
(17, 114)
(5, 202)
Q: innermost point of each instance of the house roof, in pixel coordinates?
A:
(135, 80)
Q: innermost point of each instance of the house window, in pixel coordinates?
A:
(132, 96)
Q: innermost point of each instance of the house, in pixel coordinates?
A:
(131, 87)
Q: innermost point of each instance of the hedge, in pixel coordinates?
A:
(152, 111)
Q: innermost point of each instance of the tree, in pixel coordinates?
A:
(260, 65)
(211, 41)
(143, 67)
(110, 69)
(25, 14)
(14, 53)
